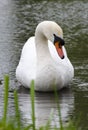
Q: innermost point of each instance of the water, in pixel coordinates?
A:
(18, 20)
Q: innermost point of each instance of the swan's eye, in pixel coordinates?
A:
(58, 39)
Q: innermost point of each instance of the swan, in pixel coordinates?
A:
(44, 59)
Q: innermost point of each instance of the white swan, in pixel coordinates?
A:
(44, 59)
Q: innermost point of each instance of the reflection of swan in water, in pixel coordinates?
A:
(44, 59)
(44, 103)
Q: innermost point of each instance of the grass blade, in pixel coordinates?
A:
(18, 118)
(6, 87)
(32, 103)
(49, 121)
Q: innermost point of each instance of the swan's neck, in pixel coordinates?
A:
(42, 49)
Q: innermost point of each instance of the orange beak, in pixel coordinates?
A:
(59, 50)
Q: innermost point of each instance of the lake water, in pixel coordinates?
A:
(18, 20)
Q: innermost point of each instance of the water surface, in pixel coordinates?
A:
(18, 20)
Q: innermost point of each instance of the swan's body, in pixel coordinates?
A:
(40, 61)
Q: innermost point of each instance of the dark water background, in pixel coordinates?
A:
(18, 20)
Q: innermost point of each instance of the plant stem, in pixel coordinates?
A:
(32, 104)
(17, 110)
(6, 87)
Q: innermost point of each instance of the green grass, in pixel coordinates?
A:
(15, 123)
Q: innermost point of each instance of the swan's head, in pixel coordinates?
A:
(49, 30)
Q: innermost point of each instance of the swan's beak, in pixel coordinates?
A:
(59, 49)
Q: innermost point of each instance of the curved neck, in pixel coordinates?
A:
(42, 49)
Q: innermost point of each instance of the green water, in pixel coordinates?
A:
(18, 20)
